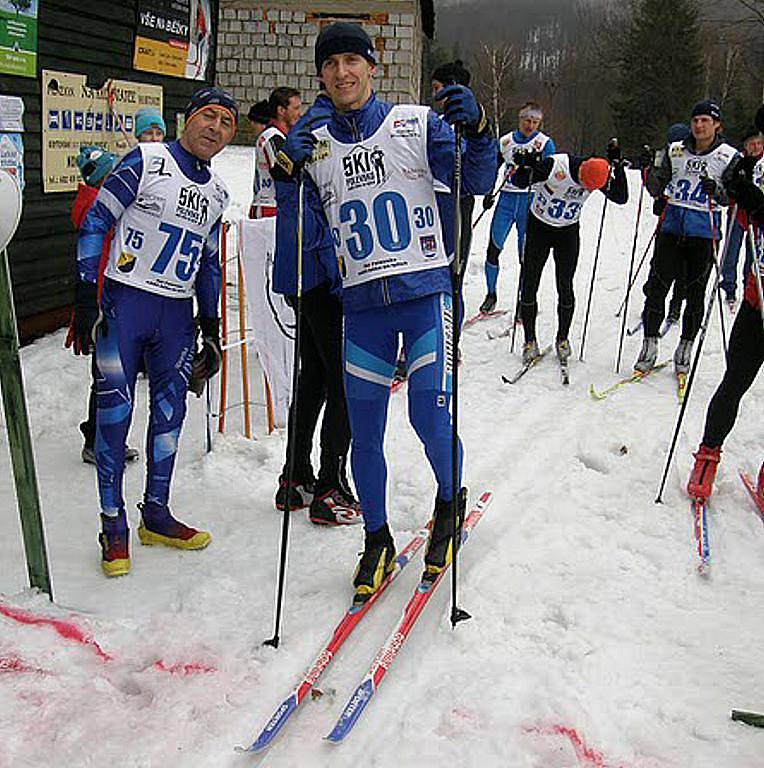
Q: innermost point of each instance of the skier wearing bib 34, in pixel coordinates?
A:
(370, 175)
(690, 178)
(166, 206)
(561, 184)
(744, 181)
(512, 207)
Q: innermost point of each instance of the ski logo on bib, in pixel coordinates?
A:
(364, 167)
(126, 262)
(192, 205)
(697, 165)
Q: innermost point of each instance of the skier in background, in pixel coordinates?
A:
(744, 181)
(689, 177)
(512, 208)
(560, 185)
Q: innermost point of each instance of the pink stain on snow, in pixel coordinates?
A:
(13, 663)
(587, 756)
(71, 631)
(65, 629)
(178, 668)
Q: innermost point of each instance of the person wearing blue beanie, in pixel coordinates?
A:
(149, 125)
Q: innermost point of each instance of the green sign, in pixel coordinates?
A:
(18, 37)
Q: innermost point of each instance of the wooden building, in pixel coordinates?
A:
(96, 38)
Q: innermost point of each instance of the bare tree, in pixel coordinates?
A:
(495, 65)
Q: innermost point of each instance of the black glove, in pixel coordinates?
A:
(300, 142)
(708, 185)
(526, 158)
(613, 150)
(659, 205)
(207, 360)
(84, 317)
(461, 107)
(488, 201)
(646, 157)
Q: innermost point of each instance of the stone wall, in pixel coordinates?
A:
(263, 46)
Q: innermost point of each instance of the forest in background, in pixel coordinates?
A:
(603, 68)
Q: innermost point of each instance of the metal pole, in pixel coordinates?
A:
(591, 285)
(630, 281)
(756, 268)
(457, 614)
(284, 548)
(19, 438)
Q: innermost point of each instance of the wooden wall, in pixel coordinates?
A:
(88, 37)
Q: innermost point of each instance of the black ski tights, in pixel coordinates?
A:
(564, 242)
(746, 354)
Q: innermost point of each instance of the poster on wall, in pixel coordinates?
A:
(74, 114)
(18, 37)
(174, 37)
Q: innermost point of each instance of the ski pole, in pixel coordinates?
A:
(756, 267)
(591, 284)
(274, 641)
(522, 266)
(630, 280)
(504, 180)
(715, 255)
(457, 614)
(690, 380)
(639, 266)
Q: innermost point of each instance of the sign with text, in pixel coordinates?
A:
(18, 37)
(74, 114)
(174, 37)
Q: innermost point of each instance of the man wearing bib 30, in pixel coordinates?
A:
(166, 206)
(512, 208)
(371, 206)
(690, 178)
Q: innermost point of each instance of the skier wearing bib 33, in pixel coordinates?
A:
(690, 178)
(561, 184)
(370, 175)
(166, 206)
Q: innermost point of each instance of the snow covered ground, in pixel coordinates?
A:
(593, 642)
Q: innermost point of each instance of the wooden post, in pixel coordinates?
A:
(269, 404)
(243, 346)
(224, 327)
(19, 439)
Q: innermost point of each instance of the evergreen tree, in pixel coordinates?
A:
(661, 71)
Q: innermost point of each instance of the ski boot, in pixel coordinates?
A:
(115, 545)
(700, 484)
(158, 526)
(377, 560)
(300, 495)
(562, 347)
(489, 303)
(648, 355)
(335, 506)
(530, 352)
(683, 357)
(440, 542)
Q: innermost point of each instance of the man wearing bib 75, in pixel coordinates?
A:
(165, 205)
(371, 215)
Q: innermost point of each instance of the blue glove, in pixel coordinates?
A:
(300, 142)
(461, 107)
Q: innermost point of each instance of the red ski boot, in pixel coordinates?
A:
(700, 484)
